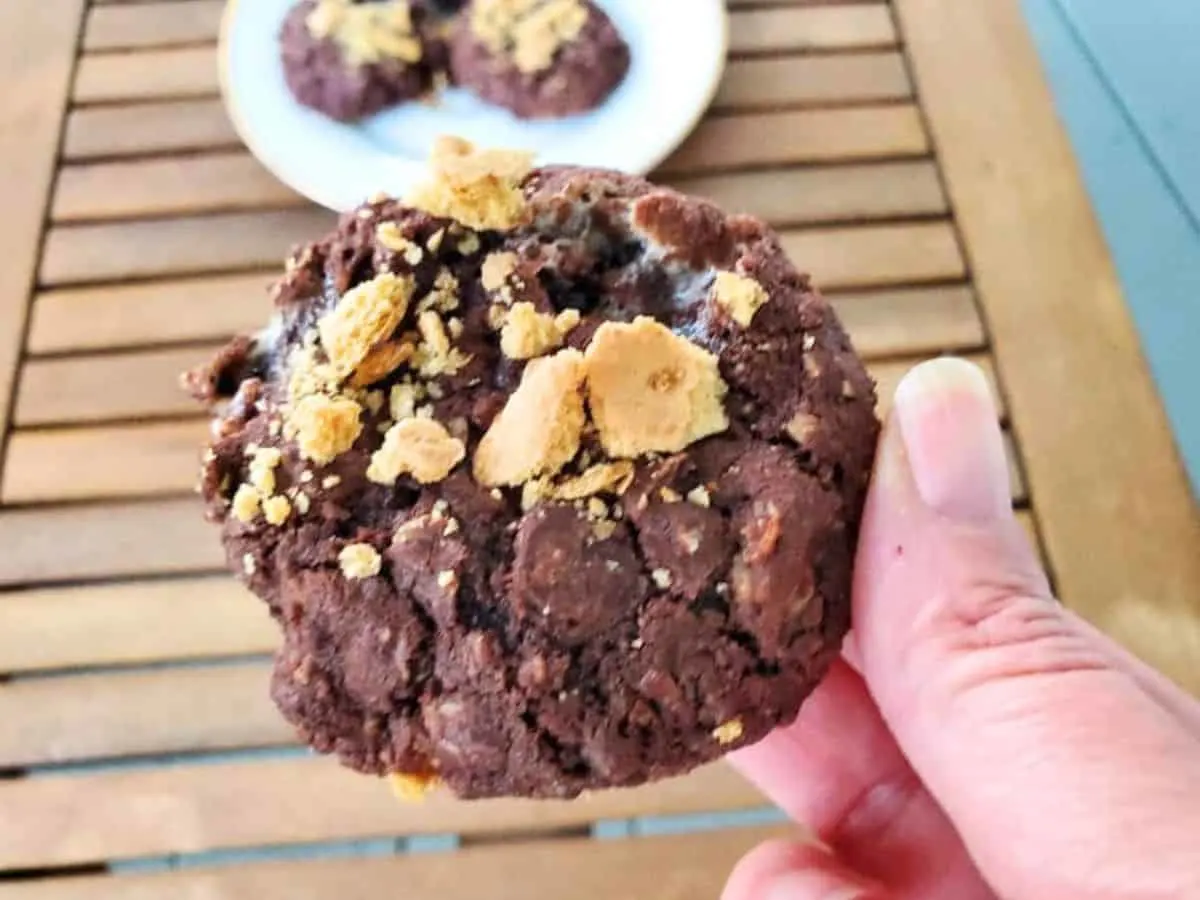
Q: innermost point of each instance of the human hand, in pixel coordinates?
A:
(980, 740)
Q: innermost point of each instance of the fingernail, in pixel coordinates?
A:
(812, 886)
(949, 425)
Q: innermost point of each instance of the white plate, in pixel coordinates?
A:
(678, 49)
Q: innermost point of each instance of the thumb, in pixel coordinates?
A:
(1063, 774)
(795, 870)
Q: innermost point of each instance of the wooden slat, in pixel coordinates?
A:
(37, 51)
(132, 623)
(141, 25)
(826, 194)
(120, 316)
(215, 182)
(99, 388)
(817, 80)
(60, 820)
(678, 867)
(868, 26)
(194, 245)
(151, 75)
(103, 132)
(103, 463)
(924, 321)
(1120, 523)
(877, 255)
(803, 136)
(74, 717)
(106, 541)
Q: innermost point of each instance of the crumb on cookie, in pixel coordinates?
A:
(359, 561)
(324, 427)
(530, 32)
(527, 333)
(739, 296)
(602, 478)
(367, 33)
(729, 732)
(650, 390)
(366, 316)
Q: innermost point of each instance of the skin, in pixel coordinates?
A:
(978, 740)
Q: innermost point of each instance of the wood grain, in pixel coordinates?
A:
(214, 182)
(814, 80)
(802, 136)
(105, 387)
(185, 246)
(866, 26)
(787, 197)
(659, 868)
(109, 132)
(62, 820)
(79, 717)
(37, 52)
(151, 75)
(913, 321)
(111, 540)
(877, 255)
(141, 25)
(1121, 527)
(121, 316)
(132, 623)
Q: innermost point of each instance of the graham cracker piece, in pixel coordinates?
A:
(728, 732)
(478, 188)
(529, 32)
(382, 361)
(497, 269)
(539, 430)
(367, 33)
(324, 427)
(413, 788)
(651, 391)
(528, 333)
(359, 561)
(739, 296)
(366, 316)
(421, 448)
(602, 478)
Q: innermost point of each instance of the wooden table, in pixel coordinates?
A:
(907, 152)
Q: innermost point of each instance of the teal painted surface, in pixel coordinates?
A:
(1126, 78)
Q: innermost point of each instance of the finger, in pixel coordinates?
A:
(1057, 768)
(838, 771)
(795, 870)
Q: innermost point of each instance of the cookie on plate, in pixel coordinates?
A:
(550, 477)
(538, 58)
(350, 60)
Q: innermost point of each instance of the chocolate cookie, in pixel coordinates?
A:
(551, 478)
(349, 59)
(538, 58)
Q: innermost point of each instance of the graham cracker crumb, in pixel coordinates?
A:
(739, 296)
(413, 788)
(302, 503)
(469, 244)
(276, 509)
(324, 427)
(249, 566)
(435, 356)
(530, 32)
(246, 503)
(402, 403)
(802, 427)
(367, 33)
(479, 188)
(443, 297)
(728, 732)
(435, 240)
(366, 316)
(359, 561)
(669, 495)
(651, 390)
(604, 529)
(690, 541)
(446, 579)
(497, 268)
(700, 497)
(528, 333)
(306, 375)
(263, 462)
(602, 478)
(329, 482)
(539, 430)
(661, 578)
(388, 234)
(422, 448)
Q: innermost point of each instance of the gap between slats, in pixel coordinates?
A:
(670, 867)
